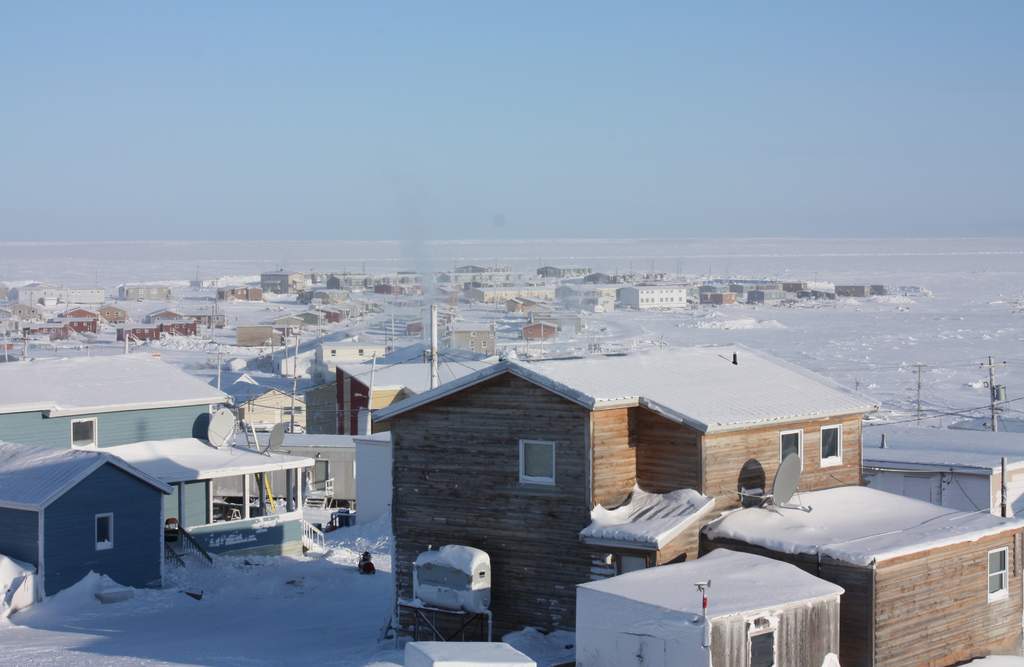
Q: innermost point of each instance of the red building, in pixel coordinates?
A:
(178, 327)
(139, 332)
(539, 331)
(79, 324)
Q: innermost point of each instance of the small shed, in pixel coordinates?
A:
(71, 511)
(373, 476)
(759, 612)
(959, 469)
(539, 331)
(925, 585)
(464, 654)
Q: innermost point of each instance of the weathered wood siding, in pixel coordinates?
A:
(750, 458)
(684, 547)
(19, 535)
(856, 621)
(932, 607)
(805, 633)
(69, 525)
(456, 481)
(113, 428)
(614, 456)
(667, 453)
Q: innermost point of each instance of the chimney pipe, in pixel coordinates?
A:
(883, 441)
(735, 359)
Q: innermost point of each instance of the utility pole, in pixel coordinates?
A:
(434, 380)
(919, 367)
(219, 365)
(996, 393)
(295, 379)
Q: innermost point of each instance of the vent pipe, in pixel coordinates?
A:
(735, 359)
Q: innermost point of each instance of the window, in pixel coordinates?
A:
(831, 445)
(791, 442)
(536, 462)
(762, 649)
(625, 563)
(998, 586)
(83, 432)
(104, 531)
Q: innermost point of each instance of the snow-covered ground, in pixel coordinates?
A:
(254, 611)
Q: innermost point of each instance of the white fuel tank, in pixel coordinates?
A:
(454, 577)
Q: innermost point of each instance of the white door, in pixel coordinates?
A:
(640, 651)
(921, 487)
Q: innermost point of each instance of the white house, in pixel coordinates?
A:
(959, 469)
(654, 297)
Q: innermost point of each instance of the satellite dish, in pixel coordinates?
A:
(786, 479)
(276, 438)
(221, 428)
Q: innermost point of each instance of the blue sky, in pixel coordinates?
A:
(336, 120)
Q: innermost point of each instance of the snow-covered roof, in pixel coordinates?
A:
(188, 459)
(740, 583)
(698, 386)
(1006, 424)
(87, 385)
(461, 654)
(33, 477)
(647, 520)
(417, 353)
(929, 448)
(414, 377)
(313, 440)
(858, 525)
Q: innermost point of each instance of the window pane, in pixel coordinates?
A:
(81, 432)
(790, 444)
(762, 650)
(538, 459)
(995, 583)
(829, 443)
(102, 529)
(996, 561)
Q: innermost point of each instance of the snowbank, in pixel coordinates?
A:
(464, 654)
(21, 576)
(650, 520)
(554, 648)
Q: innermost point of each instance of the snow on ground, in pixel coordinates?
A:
(254, 611)
(998, 661)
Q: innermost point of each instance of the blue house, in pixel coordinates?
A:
(102, 401)
(68, 512)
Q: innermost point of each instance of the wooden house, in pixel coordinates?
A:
(71, 512)
(956, 468)
(539, 331)
(257, 335)
(80, 313)
(101, 401)
(242, 293)
(925, 585)
(759, 611)
(270, 406)
(48, 330)
(322, 408)
(222, 498)
(26, 312)
(362, 386)
(179, 327)
(515, 459)
(138, 332)
(163, 315)
(113, 314)
(79, 324)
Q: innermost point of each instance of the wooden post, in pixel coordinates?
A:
(245, 496)
(209, 500)
(262, 492)
(1002, 487)
(181, 505)
(289, 481)
(300, 474)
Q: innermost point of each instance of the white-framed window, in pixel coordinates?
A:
(83, 432)
(536, 462)
(791, 442)
(998, 569)
(831, 445)
(104, 531)
(762, 649)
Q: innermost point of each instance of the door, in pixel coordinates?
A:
(921, 487)
(633, 650)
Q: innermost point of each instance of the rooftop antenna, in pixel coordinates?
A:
(787, 478)
(221, 428)
(276, 438)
